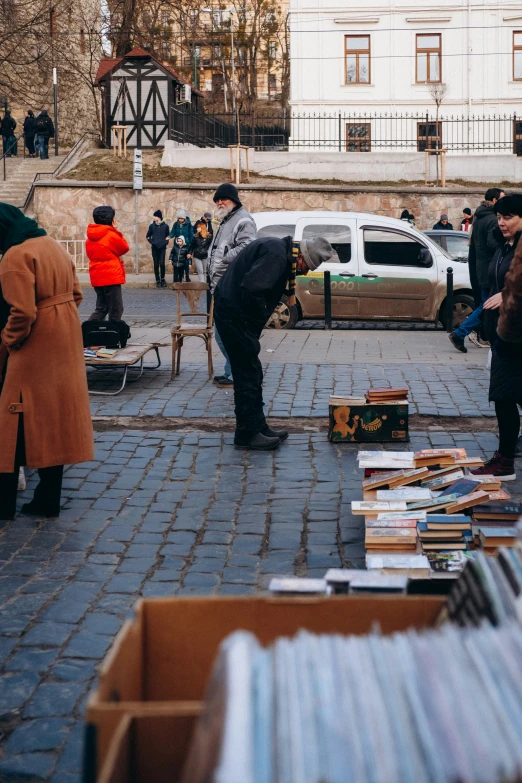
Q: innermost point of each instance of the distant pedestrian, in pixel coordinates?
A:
(207, 220)
(158, 237)
(7, 128)
(104, 247)
(30, 133)
(244, 299)
(482, 247)
(45, 421)
(467, 220)
(405, 215)
(182, 227)
(44, 131)
(443, 224)
(179, 260)
(199, 250)
(236, 230)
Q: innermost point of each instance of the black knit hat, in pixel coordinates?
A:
(227, 190)
(158, 213)
(103, 215)
(467, 211)
(509, 205)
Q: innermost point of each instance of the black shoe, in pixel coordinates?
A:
(158, 284)
(222, 380)
(257, 442)
(163, 283)
(458, 342)
(32, 509)
(270, 433)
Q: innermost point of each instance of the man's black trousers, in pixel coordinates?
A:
(241, 340)
(158, 256)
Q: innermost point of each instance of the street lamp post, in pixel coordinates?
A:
(233, 63)
(55, 91)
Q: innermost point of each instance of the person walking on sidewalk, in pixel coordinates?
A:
(45, 420)
(504, 333)
(482, 246)
(236, 230)
(179, 260)
(30, 133)
(7, 128)
(199, 249)
(158, 238)
(44, 132)
(244, 298)
(105, 246)
(443, 224)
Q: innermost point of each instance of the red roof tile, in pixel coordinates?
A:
(108, 63)
(105, 65)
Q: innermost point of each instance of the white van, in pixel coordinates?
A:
(385, 269)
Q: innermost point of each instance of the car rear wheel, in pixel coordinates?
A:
(463, 305)
(285, 316)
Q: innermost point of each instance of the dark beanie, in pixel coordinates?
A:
(103, 215)
(467, 211)
(227, 190)
(158, 213)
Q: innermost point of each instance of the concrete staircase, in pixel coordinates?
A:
(20, 173)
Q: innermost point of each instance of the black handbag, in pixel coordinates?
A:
(109, 334)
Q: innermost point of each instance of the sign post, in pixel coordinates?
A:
(137, 184)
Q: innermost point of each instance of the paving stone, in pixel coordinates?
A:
(48, 634)
(73, 670)
(86, 644)
(53, 699)
(26, 766)
(38, 735)
(31, 659)
(15, 689)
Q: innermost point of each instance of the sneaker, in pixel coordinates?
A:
(458, 342)
(498, 466)
(257, 442)
(158, 284)
(270, 433)
(222, 380)
(22, 484)
(478, 341)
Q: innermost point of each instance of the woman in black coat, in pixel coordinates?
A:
(30, 133)
(505, 387)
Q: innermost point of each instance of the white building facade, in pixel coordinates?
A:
(370, 72)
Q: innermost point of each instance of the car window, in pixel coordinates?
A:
(338, 236)
(458, 248)
(436, 237)
(391, 248)
(277, 230)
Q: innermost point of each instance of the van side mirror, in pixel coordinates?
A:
(425, 257)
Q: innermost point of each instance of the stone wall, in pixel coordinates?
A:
(64, 208)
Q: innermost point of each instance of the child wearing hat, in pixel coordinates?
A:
(179, 260)
(158, 238)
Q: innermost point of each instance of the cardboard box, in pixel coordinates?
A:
(370, 423)
(162, 659)
(148, 749)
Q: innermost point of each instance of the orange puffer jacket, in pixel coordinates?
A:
(104, 246)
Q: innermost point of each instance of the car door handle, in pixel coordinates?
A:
(346, 274)
(370, 277)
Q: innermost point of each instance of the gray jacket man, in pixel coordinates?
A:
(236, 230)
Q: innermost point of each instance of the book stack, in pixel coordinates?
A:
(398, 395)
(419, 503)
(493, 522)
(434, 706)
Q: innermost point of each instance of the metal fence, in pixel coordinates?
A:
(76, 249)
(351, 132)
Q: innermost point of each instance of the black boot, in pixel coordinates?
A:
(458, 342)
(258, 442)
(33, 509)
(270, 433)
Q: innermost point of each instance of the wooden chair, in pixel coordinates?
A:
(192, 294)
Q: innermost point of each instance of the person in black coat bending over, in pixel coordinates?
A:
(244, 299)
(158, 238)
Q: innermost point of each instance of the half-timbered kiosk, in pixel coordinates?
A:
(138, 91)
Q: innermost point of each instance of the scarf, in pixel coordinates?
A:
(16, 228)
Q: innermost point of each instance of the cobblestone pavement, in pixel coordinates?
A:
(157, 513)
(294, 390)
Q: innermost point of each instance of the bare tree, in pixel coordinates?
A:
(438, 91)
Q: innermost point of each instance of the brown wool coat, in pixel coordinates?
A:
(510, 320)
(45, 377)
